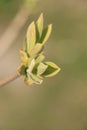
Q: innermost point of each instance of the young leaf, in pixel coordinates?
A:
(31, 37)
(36, 79)
(46, 33)
(36, 50)
(40, 24)
(31, 66)
(40, 58)
(24, 57)
(41, 68)
(52, 69)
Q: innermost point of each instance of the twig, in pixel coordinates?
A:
(9, 79)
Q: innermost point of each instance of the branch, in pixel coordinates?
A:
(9, 79)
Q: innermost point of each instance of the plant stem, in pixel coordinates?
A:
(9, 79)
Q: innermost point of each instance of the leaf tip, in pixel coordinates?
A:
(41, 15)
(50, 26)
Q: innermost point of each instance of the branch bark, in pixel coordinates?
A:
(9, 79)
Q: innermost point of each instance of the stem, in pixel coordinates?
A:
(9, 79)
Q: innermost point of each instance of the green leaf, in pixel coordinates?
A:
(39, 24)
(31, 37)
(52, 69)
(41, 68)
(46, 33)
(37, 49)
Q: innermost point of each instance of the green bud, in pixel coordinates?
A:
(32, 66)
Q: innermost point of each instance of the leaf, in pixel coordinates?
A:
(24, 57)
(52, 69)
(31, 37)
(39, 24)
(36, 79)
(40, 58)
(32, 78)
(41, 68)
(36, 50)
(31, 66)
(46, 33)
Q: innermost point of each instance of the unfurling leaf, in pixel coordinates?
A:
(46, 33)
(31, 37)
(40, 58)
(33, 78)
(36, 79)
(36, 50)
(39, 24)
(24, 57)
(52, 69)
(41, 68)
(31, 66)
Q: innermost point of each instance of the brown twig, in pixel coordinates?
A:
(9, 79)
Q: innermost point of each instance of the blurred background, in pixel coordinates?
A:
(60, 103)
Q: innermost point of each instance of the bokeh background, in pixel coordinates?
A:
(60, 103)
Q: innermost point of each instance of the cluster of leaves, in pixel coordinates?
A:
(33, 67)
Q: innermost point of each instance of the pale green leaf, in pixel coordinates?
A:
(24, 57)
(41, 68)
(46, 33)
(36, 50)
(31, 37)
(52, 69)
(40, 58)
(39, 24)
(31, 66)
(36, 79)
